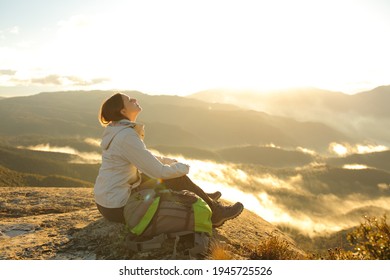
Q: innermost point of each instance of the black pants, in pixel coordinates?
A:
(176, 184)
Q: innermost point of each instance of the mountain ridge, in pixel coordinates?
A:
(362, 116)
(46, 164)
(75, 113)
(11, 178)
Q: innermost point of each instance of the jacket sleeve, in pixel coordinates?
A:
(135, 151)
(166, 160)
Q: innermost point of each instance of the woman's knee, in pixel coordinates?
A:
(183, 180)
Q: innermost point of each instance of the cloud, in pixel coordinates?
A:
(67, 81)
(82, 82)
(37, 77)
(338, 149)
(355, 166)
(11, 30)
(14, 30)
(92, 141)
(80, 157)
(7, 72)
(344, 149)
(365, 149)
(306, 151)
(315, 199)
(384, 186)
(53, 80)
(7, 33)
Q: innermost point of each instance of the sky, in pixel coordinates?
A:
(182, 47)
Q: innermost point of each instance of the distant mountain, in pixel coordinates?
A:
(10, 178)
(282, 102)
(170, 120)
(286, 102)
(266, 156)
(189, 152)
(379, 160)
(344, 182)
(363, 116)
(220, 128)
(340, 182)
(78, 143)
(46, 164)
(374, 102)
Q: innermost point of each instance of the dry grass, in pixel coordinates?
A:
(271, 248)
(219, 251)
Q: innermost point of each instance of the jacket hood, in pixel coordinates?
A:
(113, 129)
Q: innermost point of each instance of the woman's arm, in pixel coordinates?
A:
(166, 160)
(135, 151)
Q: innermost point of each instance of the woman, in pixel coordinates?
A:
(128, 164)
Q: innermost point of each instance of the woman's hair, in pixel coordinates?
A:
(111, 109)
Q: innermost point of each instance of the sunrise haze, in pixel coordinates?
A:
(182, 47)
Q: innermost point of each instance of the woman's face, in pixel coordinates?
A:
(131, 108)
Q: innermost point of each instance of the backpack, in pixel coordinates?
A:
(154, 215)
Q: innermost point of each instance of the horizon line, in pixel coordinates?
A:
(235, 89)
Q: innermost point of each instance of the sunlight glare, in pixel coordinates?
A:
(355, 166)
(338, 149)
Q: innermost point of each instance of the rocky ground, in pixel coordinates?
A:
(63, 223)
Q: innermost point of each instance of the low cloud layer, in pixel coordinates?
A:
(315, 199)
(7, 72)
(344, 149)
(312, 199)
(92, 141)
(80, 157)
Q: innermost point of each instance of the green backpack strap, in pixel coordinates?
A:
(147, 218)
(202, 215)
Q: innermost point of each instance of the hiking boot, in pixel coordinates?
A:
(223, 213)
(215, 195)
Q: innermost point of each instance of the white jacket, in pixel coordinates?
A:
(124, 155)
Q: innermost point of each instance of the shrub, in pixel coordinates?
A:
(371, 240)
(273, 248)
(219, 251)
(340, 254)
